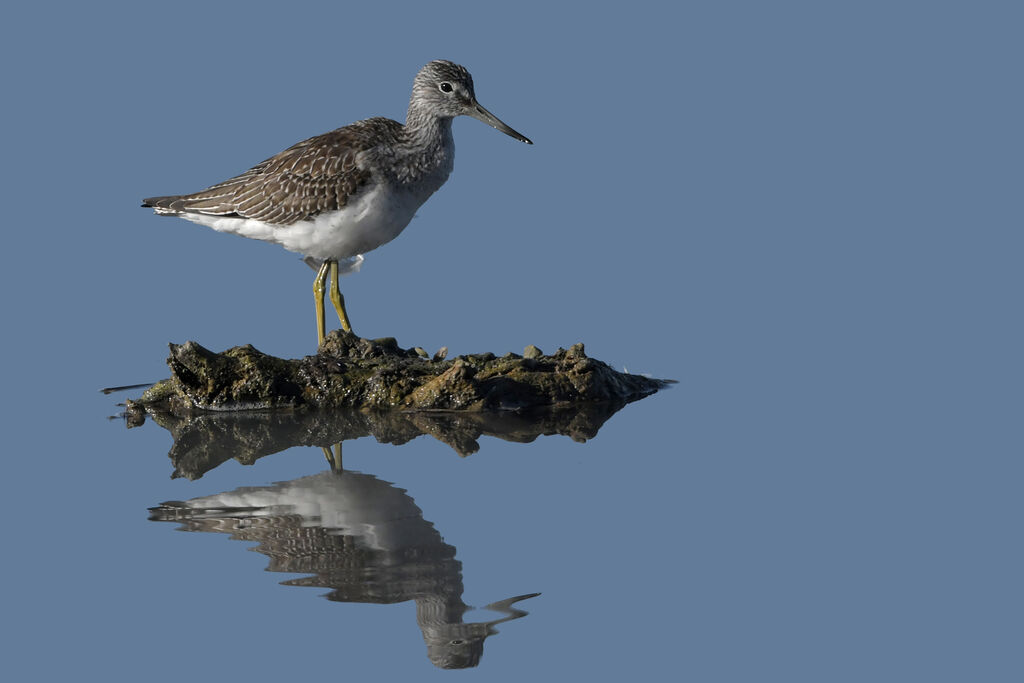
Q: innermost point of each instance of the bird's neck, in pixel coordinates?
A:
(427, 148)
(425, 129)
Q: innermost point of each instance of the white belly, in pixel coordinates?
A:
(375, 217)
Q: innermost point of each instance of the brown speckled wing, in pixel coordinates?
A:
(315, 176)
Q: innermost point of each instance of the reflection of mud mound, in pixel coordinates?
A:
(364, 539)
(353, 372)
(205, 440)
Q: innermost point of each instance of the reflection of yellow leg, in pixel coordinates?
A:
(318, 299)
(333, 458)
(337, 299)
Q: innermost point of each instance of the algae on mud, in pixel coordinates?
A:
(352, 372)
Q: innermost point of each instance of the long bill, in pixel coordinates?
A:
(478, 112)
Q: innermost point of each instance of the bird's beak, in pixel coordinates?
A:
(478, 112)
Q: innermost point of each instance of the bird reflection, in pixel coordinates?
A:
(362, 538)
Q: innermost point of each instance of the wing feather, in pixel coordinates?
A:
(315, 176)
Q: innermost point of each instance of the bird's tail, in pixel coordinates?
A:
(162, 205)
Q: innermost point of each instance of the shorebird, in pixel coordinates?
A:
(336, 196)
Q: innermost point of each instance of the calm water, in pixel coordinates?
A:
(807, 214)
(667, 541)
(422, 554)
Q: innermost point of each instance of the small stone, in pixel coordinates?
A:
(532, 352)
(441, 353)
(421, 352)
(388, 344)
(576, 351)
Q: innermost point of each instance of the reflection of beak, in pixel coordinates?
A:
(478, 112)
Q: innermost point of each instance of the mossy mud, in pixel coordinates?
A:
(352, 372)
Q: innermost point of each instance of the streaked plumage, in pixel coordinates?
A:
(339, 195)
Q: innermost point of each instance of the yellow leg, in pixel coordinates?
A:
(318, 299)
(337, 299)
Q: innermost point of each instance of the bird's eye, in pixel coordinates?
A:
(446, 87)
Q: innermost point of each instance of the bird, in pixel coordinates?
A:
(333, 197)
